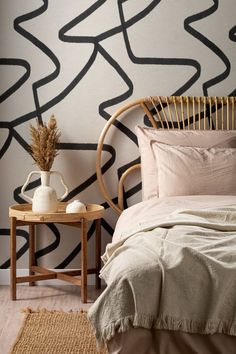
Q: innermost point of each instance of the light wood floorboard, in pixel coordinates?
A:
(65, 298)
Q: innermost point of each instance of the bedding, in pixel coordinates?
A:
(143, 341)
(192, 170)
(197, 138)
(183, 249)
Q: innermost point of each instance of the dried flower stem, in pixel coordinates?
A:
(44, 140)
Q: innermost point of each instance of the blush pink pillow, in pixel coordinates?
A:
(191, 170)
(198, 138)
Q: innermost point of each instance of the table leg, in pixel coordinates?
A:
(84, 260)
(98, 252)
(13, 257)
(31, 251)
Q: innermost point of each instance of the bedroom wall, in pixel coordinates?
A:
(80, 60)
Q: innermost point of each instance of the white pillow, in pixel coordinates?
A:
(193, 170)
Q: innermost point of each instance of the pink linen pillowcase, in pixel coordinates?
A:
(198, 138)
(195, 171)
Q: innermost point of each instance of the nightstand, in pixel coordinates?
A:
(21, 215)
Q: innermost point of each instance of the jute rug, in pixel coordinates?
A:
(55, 332)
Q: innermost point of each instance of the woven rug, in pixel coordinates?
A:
(55, 332)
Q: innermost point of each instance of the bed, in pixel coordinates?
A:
(170, 268)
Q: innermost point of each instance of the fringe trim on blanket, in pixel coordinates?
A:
(166, 322)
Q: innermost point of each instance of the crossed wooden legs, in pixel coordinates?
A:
(49, 274)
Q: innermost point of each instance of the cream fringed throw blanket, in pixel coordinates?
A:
(176, 274)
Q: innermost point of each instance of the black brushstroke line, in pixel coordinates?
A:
(6, 144)
(81, 17)
(88, 147)
(42, 47)
(232, 37)
(15, 62)
(99, 49)
(25, 247)
(42, 252)
(30, 186)
(107, 34)
(21, 141)
(159, 61)
(76, 250)
(14, 134)
(203, 14)
(21, 251)
(129, 22)
(117, 99)
(107, 227)
(232, 34)
(233, 93)
(133, 191)
(121, 170)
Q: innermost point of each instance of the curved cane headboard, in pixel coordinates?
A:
(173, 112)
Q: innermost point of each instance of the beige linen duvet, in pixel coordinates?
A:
(171, 265)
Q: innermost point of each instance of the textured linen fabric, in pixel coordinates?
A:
(144, 341)
(146, 137)
(192, 170)
(158, 208)
(176, 273)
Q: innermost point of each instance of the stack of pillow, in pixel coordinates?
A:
(187, 162)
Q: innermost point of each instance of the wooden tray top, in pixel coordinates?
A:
(24, 212)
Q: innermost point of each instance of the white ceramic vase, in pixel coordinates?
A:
(45, 199)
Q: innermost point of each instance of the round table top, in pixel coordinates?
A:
(24, 212)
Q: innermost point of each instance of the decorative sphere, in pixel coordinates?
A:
(76, 207)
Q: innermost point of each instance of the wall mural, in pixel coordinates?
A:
(82, 59)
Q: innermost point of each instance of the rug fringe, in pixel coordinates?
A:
(167, 323)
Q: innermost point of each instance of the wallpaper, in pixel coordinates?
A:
(81, 60)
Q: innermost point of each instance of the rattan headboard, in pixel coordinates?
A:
(174, 112)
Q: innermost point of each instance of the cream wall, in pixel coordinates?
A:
(81, 60)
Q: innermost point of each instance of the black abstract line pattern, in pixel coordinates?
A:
(98, 41)
(232, 37)
(232, 34)
(159, 61)
(222, 76)
(16, 62)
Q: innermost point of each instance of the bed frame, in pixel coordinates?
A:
(173, 112)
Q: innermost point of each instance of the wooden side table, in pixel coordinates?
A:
(21, 215)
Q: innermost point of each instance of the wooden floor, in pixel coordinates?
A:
(65, 298)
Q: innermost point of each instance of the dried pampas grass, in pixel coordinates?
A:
(43, 148)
